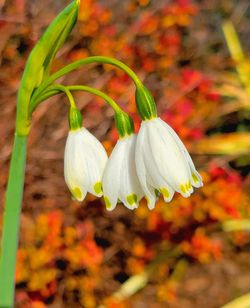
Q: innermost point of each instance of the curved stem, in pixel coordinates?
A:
(65, 89)
(78, 63)
(47, 94)
(12, 212)
(98, 93)
(56, 89)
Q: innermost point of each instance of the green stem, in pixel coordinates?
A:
(47, 94)
(11, 222)
(98, 93)
(97, 59)
(65, 89)
(56, 89)
(124, 123)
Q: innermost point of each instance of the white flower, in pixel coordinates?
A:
(163, 163)
(120, 181)
(84, 162)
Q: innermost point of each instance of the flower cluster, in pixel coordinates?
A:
(64, 258)
(146, 165)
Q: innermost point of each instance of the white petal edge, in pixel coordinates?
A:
(198, 183)
(96, 159)
(154, 176)
(174, 167)
(111, 176)
(141, 169)
(130, 191)
(75, 179)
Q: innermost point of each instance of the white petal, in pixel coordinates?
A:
(141, 169)
(74, 166)
(171, 162)
(154, 176)
(96, 159)
(196, 179)
(130, 191)
(111, 177)
(84, 163)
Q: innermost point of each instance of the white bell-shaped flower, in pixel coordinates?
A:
(120, 181)
(84, 162)
(162, 162)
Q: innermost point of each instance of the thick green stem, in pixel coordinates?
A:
(97, 59)
(11, 222)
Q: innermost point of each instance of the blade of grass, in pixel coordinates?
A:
(240, 302)
(224, 144)
(236, 225)
(139, 281)
(236, 51)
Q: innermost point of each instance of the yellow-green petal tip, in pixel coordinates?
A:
(77, 194)
(165, 192)
(195, 178)
(98, 188)
(132, 199)
(107, 203)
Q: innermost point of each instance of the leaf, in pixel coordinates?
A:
(226, 144)
(240, 302)
(236, 225)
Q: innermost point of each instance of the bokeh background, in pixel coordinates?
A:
(190, 253)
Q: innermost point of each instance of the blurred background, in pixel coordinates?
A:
(190, 253)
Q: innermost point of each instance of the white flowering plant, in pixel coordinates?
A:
(143, 165)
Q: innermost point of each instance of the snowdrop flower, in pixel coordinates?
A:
(120, 181)
(163, 163)
(84, 162)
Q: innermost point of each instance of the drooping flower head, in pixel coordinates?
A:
(84, 161)
(120, 180)
(162, 162)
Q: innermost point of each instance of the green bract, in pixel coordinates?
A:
(75, 118)
(124, 124)
(39, 62)
(145, 103)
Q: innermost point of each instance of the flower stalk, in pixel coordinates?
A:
(75, 65)
(36, 70)
(11, 221)
(124, 123)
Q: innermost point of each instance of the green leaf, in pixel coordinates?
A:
(240, 302)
